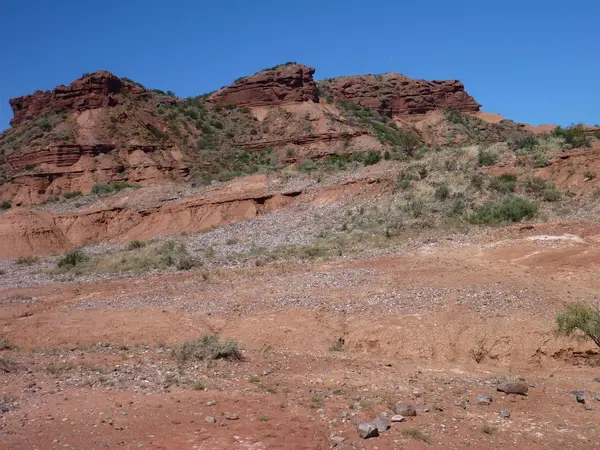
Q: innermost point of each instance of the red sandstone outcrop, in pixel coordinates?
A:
(95, 90)
(283, 84)
(400, 95)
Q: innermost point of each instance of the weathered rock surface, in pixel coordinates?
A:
(399, 95)
(405, 409)
(94, 90)
(287, 83)
(382, 423)
(513, 388)
(366, 429)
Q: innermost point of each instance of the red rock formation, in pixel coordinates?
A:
(284, 84)
(400, 95)
(90, 91)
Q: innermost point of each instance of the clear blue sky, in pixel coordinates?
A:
(529, 60)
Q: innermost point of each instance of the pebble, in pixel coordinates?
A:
(210, 419)
(211, 403)
(484, 399)
(505, 413)
(398, 418)
(580, 396)
(232, 416)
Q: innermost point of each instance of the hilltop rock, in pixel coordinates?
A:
(287, 83)
(399, 95)
(94, 90)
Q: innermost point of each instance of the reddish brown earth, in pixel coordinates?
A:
(414, 327)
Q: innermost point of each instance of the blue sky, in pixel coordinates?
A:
(531, 61)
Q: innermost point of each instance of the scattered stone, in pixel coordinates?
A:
(598, 397)
(484, 399)
(517, 387)
(211, 403)
(597, 380)
(505, 413)
(232, 416)
(382, 423)
(367, 429)
(210, 419)
(405, 409)
(398, 418)
(337, 439)
(580, 396)
(587, 407)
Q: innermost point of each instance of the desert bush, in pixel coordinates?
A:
(27, 260)
(45, 124)
(6, 204)
(488, 429)
(512, 209)
(100, 189)
(578, 317)
(442, 192)
(307, 166)
(73, 194)
(337, 345)
(573, 135)
(540, 161)
(527, 143)
(72, 259)
(208, 347)
(504, 184)
(136, 244)
(372, 157)
(417, 434)
(486, 158)
(542, 189)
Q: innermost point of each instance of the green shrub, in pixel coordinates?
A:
(208, 347)
(512, 209)
(230, 106)
(27, 260)
(574, 135)
(6, 204)
(45, 124)
(527, 143)
(337, 345)
(580, 317)
(540, 161)
(543, 189)
(100, 189)
(136, 244)
(486, 158)
(74, 194)
(158, 134)
(504, 184)
(372, 157)
(477, 181)
(307, 166)
(442, 192)
(72, 259)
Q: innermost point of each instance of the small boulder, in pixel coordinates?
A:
(484, 399)
(335, 440)
(405, 409)
(232, 416)
(505, 413)
(517, 387)
(397, 418)
(366, 429)
(210, 419)
(580, 396)
(597, 380)
(382, 423)
(598, 397)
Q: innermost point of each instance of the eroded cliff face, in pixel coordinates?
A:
(102, 129)
(288, 83)
(397, 95)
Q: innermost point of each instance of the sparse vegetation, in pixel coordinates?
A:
(100, 189)
(417, 434)
(133, 245)
(72, 259)
(208, 347)
(5, 205)
(580, 318)
(486, 158)
(511, 209)
(337, 345)
(27, 260)
(73, 194)
(573, 135)
(504, 184)
(488, 429)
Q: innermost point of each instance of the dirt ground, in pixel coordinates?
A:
(90, 365)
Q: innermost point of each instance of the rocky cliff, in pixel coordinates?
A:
(397, 95)
(287, 83)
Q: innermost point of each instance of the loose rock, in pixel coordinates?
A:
(580, 396)
(398, 418)
(232, 416)
(513, 388)
(505, 413)
(382, 423)
(405, 409)
(210, 419)
(484, 399)
(367, 429)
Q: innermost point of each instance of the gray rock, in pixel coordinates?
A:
(398, 418)
(366, 429)
(232, 416)
(337, 440)
(598, 397)
(597, 380)
(382, 423)
(505, 413)
(405, 409)
(211, 403)
(484, 399)
(517, 387)
(210, 419)
(580, 396)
